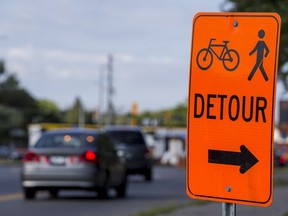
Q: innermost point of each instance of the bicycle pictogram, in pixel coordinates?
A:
(229, 57)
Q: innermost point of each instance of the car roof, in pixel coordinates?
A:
(122, 128)
(72, 130)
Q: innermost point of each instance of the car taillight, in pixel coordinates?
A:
(31, 157)
(89, 156)
(147, 152)
(282, 161)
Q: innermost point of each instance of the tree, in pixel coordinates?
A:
(17, 106)
(174, 117)
(280, 7)
(179, 115)
(48, 111)
(75, 115)
(10, 118)
(2, 67)
(12, 95)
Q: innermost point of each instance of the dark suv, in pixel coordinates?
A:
(131, 145)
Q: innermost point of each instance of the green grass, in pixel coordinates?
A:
(280, 170)
(285, 214)
(279, 182)
(170, 208)
(9, 162)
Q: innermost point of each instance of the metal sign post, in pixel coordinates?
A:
(228, 209)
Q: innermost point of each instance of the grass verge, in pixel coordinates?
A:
(172, 207)
(281, 170)
(5, 162)
(280, 182)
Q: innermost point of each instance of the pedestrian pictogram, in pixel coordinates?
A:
(232, 82)
(229, 57)
(260, 48)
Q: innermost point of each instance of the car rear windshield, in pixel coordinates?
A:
(127, 137)
(67, 140)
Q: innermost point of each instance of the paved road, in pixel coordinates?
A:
(167, 188)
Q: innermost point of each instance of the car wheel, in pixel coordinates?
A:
(121, 189)
(54, 193)
(148, 174)
(29, 193)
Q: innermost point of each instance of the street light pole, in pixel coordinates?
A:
(110, 91)
(100, 95)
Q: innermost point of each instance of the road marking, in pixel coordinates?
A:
(11, 197)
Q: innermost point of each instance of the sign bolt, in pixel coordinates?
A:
(228, 189)
(235, 23)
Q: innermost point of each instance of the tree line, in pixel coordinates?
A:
(18, 109)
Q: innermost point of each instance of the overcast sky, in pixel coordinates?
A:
(57, 48)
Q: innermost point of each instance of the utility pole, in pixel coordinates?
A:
(110, 91)
(101, 95)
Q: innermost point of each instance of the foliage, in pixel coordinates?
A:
(280, 7)
(17, 106)
(174, 117)
(48, 111)
(10, 118)
(75, 114)
(12, 95)
(178, 116)
(2, 67)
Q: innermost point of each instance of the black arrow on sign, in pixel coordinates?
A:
(245, 159)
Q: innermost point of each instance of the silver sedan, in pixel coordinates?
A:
(73, 159)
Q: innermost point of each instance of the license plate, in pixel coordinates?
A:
(57, 160)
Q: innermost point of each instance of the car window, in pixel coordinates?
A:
(66, 140)
(127, 137)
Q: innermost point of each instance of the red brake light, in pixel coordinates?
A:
(90, 156)
(282, 161)
(31, 157)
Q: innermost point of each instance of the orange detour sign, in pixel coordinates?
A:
(233, 75)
